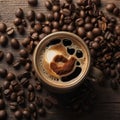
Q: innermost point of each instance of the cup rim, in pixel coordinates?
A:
(52, 84)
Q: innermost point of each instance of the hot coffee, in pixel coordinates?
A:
(62, 59)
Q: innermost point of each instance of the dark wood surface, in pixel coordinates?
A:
(108, 103)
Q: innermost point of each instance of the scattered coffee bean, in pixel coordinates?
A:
(31, 96)
(21, 29)
(40, 17)
(47, 30)
(26, 41)
(6, 84)
(3, 40)
(24, 82)
(3, 27)
(81, 31)
(16, 64)
(49, 16)
(39, 101)
(31, 15)
(19, 13)
(48, 5)
(90, 35)
(15, 43)
(32, 2)
(3, 73)
(7, 93)
(26, 113)
(117, 29)
(96, 31)
(88, 26)
(95, 45)
(110, 7)
(13, 96)
(23, 53)
(3, 115)
(37, 27)
(18, 114)
(34, 36)
(13, 106)
(30, 88)
(116, 11)
(1, 55)
(55, 8)
(10, 31)
(42, 112)
(10, 76)
(32, 107)
(9, 58)
(17, 21)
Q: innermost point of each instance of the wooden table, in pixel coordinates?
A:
(108, 104)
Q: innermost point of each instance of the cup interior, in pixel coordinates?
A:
(57, 83)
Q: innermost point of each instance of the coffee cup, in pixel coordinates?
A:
(62, 62)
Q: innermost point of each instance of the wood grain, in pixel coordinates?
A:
(108, 104)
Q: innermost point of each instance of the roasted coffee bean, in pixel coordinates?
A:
(21, 100)
(18, 114)
(38, 87)
(30, 88)
(24, 23)
(55, 8)
(21, 29)
(17, 21)
(66, 12)
(28, 66)
(42, 112)
(34, 36)
(7, 93)
(32, 2)
(56, 16)
(88, 26)
(40, 17)
(93, 20)
(96, 31)
(23, 53)
(3, 27)
(70, 27)
(81, 31)
(26, 113)
(95, 45)
(24, 75)
(17, 64)
(118, 67)
(2, 104)
(1, 55)
(116, 11)
(55, 24)
(9, 58)
(13, 106)
(3, 115)
(31, 15)
(26, 41)
(81, 2)
(31, 96)
(69, 1)
(3, 72)
(117, 29)
(20, 93)
(82, 14)
(32, 107)
(15, 43)
(10, 31)
(48, 5)
(6, 84)
(87, 19)
(90, 35)
(47, 30)
(110, 7)
(37, 27)
(10, 76)
(13, 96)
(19, 13)
(3, 40)
(49, 16)
(24, 82)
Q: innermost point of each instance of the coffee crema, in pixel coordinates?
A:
(62, 60)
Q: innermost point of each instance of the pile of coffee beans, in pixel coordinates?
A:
(112, 8)
(20, 88)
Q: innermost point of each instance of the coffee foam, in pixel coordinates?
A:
(48, 55)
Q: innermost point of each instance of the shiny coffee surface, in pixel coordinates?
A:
(62, 59)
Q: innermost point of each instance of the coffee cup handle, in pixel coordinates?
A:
(96, 74)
